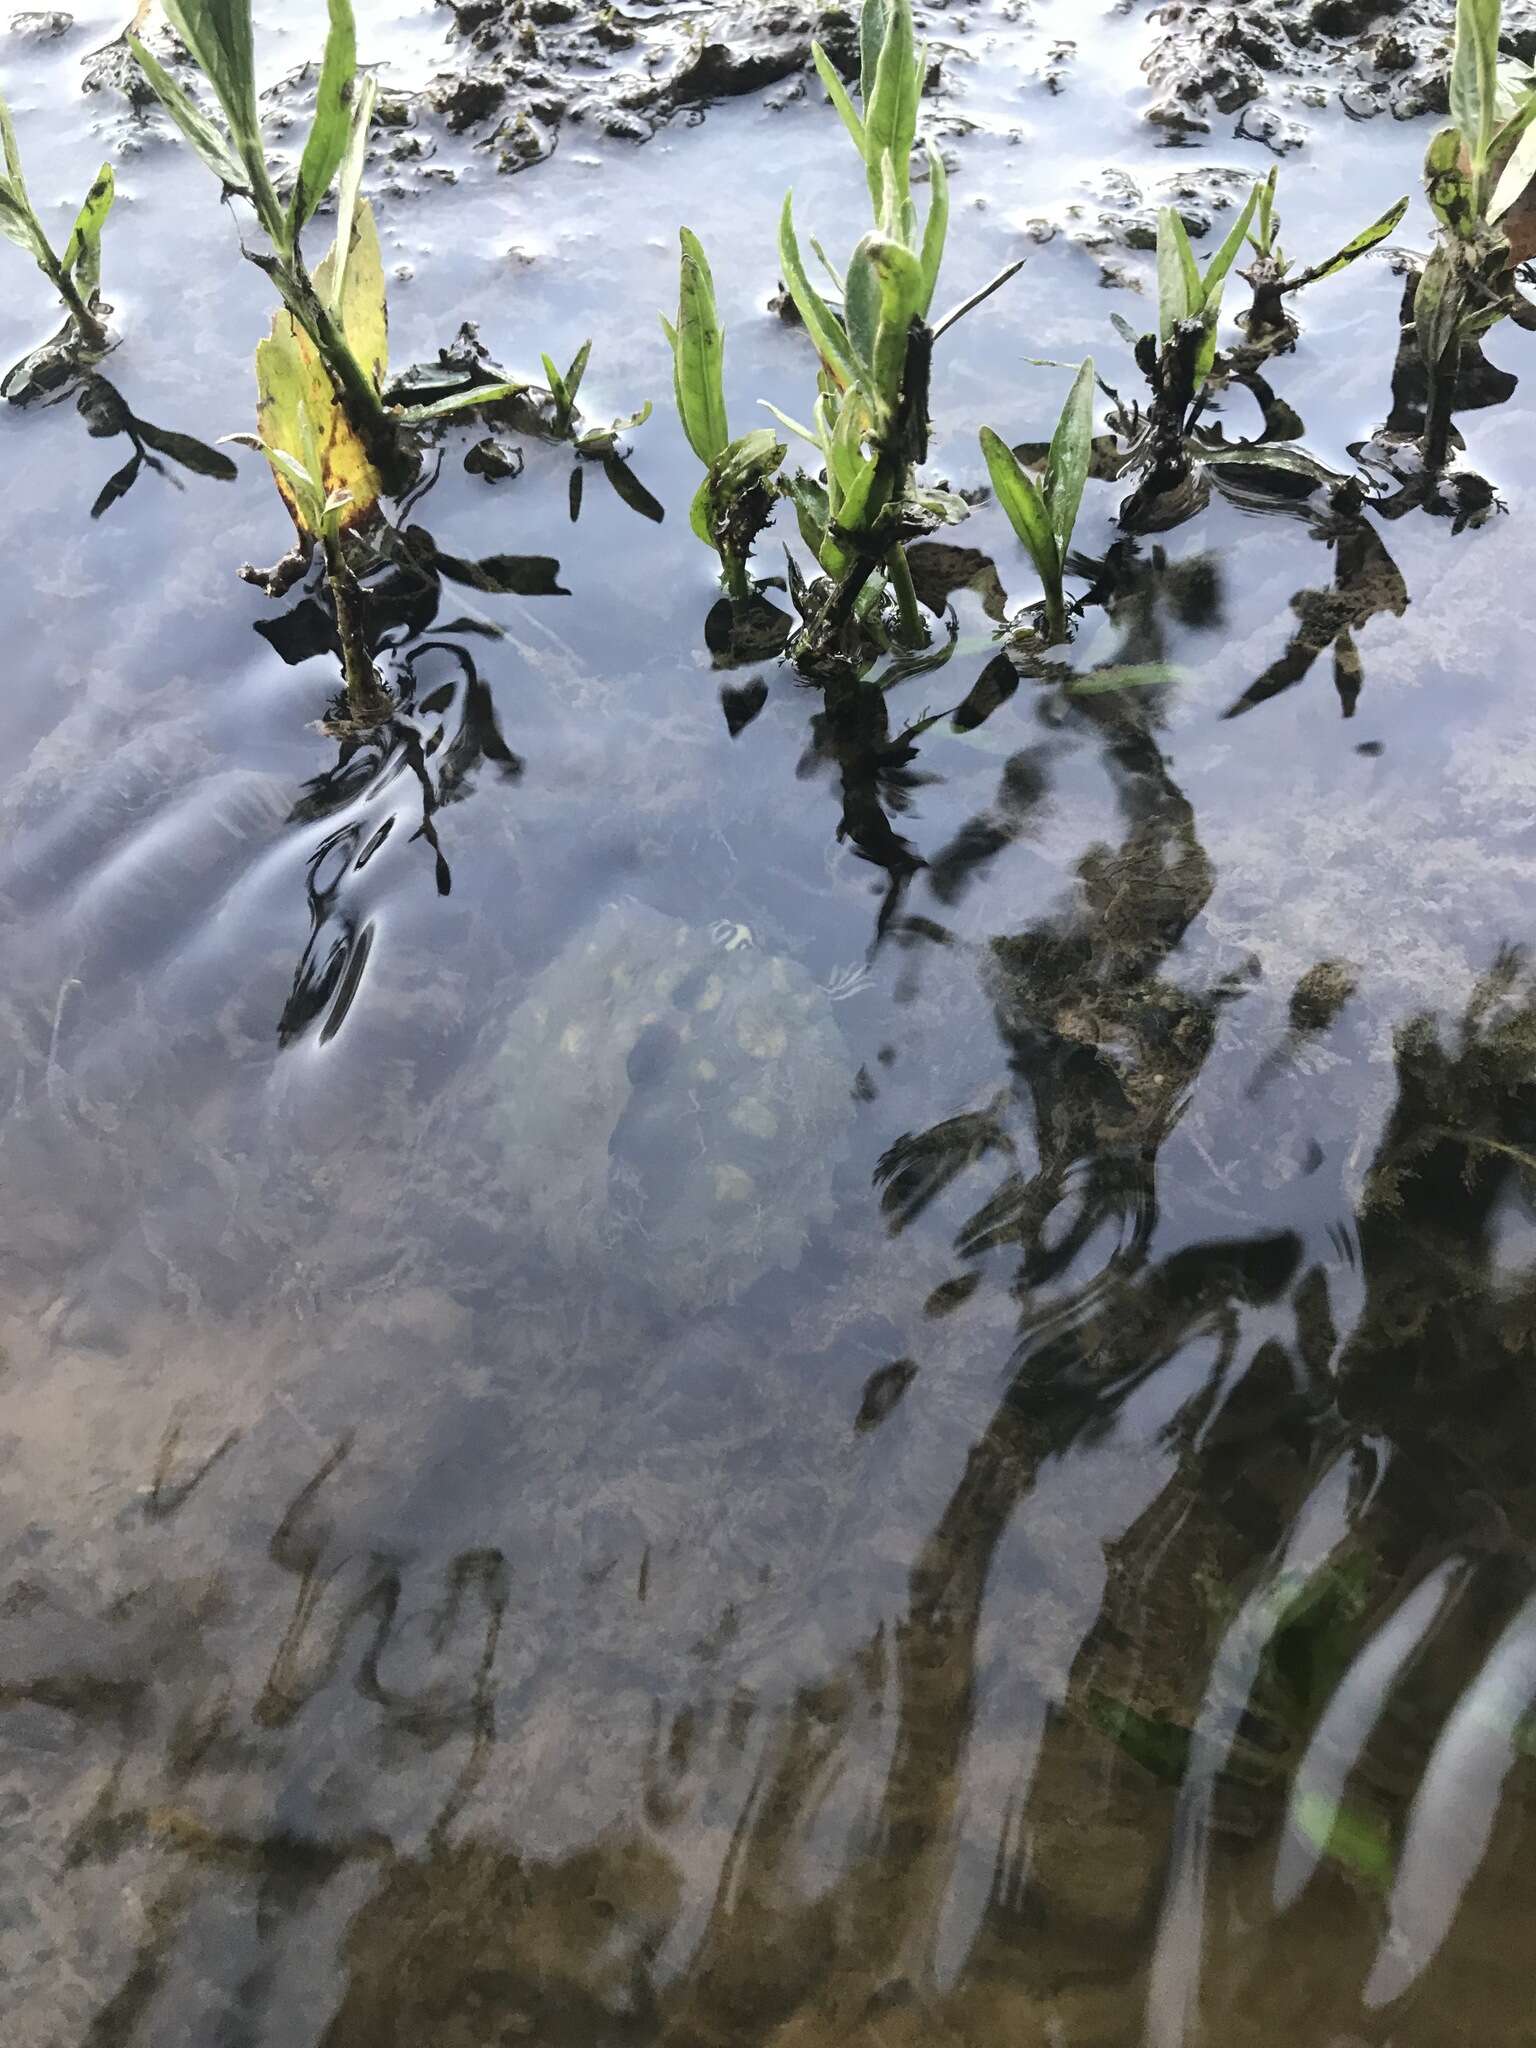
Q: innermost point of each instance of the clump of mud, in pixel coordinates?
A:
(521, 71)
(1267, 66)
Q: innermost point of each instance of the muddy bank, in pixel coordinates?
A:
(1261, 72)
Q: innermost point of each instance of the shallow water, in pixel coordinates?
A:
(1054, 1564)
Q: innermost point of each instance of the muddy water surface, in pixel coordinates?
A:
(693, 1370)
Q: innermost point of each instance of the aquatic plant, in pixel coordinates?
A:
(1267, 322)
(217, 34)
(1043, 515)
(734, 502)
(1475, 171)
(870, 422)
(1178, 360)
(76, 275)
(320, 512)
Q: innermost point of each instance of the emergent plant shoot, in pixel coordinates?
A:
(734, 502)
(1267, 322)
(76, 275)
(1177, 361)
(1043, 515)
(870, 422)
(1475, 171)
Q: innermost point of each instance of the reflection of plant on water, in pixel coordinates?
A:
(442, 729)
(1248, 1717)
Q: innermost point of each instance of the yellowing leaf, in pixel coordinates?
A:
(361, 302)
(297, 416)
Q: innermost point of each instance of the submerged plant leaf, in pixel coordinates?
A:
(1159, 1746)
(1129, 675)
(461, 401)
(1352, 1836)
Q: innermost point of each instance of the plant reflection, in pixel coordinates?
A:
(1049, 1796)
(443, 729)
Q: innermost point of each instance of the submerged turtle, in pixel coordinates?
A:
(673, 1103)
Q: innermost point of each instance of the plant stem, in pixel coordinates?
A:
(1055, 613)
(1437, 413)
(374, 426)
(737, 584)
(367, 700)
(88, 326)
(913, 632)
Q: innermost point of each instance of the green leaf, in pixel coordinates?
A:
(701, 513)
(794, 426)
(872, 23)
(351, 281)
(1368, 238)
(1159, 1746)
(1180, 294)
(1264, 241)
(820, 323)
(331, 129)
(891, 102)
(460, 401)
(212, 146)
(837, 92)
(1519, 162)
(978, 298)
(82, 252)
(19, 224)
(13, 170)
(218, 35)
(748, 462)
(1020, 498)
(935, 228)
(1066, 468)
(554, 380)
(885, 295)
(1214, 282)
(698, 355)
(1352, 1836)
(1474, 76)
(350, 183)
(1437, 306)
(573, 376)
(1447, 186)
(809, 499)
